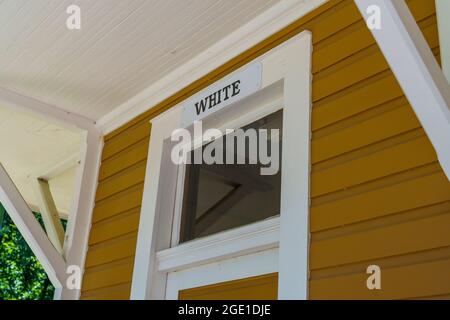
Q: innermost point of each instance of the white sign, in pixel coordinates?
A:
(222, 94)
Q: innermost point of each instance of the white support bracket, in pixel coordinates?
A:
(49, 213)
(416, 69)
(52, 262)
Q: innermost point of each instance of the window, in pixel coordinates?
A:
(233, 193)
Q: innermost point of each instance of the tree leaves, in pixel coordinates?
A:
(21, 275)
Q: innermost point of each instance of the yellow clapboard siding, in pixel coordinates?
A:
(112, 250)
(353, 183)
(373, 166)
(119, 292)
(356, 99)
(125, 179)
(124, 159)
(378, 128)
(263, 287)
(417, 235)
(422, 191)
(423, 279)
(357, 37)
(118, 203)
(120, 142)
(116, 226)
(115, 273)
(352, 70)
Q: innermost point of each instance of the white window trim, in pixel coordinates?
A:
(289, 63)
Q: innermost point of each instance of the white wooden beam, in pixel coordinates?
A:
(41, 109)
(79, 224)
(443, 18)
(49, 213)
(416, 69)
(31, 230)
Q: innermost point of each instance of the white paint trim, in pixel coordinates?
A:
(67, 119)
(242, 267)
(295, 200)
(417, 71)
(55, 170)
(49, 213)
(443, 18)
(245, 240)
(80, 219)
(274, 19)
(288, 64)
(31, 230)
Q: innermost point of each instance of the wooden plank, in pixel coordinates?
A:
(125, 179)
(119, 272)
(116, 226)
(389, 161)
(422, 191)
(121, 202)
(118, 292)
(120, 142)
(378, 128)
(111, 250)
(49, 214)
(263, 287)
(423, 279)
(403, 238)
(356, 99)
(124, 159)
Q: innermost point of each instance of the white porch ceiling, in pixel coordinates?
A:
(123, 47)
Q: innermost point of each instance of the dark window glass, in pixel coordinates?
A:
(218, 197)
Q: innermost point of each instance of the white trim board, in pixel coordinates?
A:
(273, 20)
(417, 71)
(443, 18)
(288, 65)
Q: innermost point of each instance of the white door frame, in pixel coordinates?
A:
(289, 65)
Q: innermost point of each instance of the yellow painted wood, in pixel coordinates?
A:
(403, 282)
(255, 288)
(115, 273)
(124, 159)
(114, 227)
(119, 292)
(112, 250)
(416, 235)
(375, 177)
(367, 132)
(423, 191)
(119, 203)
(373, 166)
(121, 181)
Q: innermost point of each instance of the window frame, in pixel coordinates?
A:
(288, 67)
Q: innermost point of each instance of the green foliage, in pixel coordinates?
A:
(21, 275)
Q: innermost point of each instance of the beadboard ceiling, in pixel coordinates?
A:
(123, 46)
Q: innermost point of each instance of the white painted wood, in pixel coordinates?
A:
(417, 71)
(79, 223)
(245, 240)
(147, 282)
(122, 47)
(49, 213)
(31, 230)
(55, 170)
(295, 200)
(292, 85)
(261, 263)
(224, 49)
(443, 18)
(16, 101)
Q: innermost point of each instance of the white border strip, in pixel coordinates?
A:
(273, 20)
